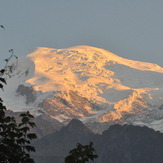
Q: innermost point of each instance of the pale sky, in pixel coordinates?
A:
(132, 29)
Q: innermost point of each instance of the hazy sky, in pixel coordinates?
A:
(132, 29)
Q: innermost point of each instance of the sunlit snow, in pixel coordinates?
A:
(119, 86)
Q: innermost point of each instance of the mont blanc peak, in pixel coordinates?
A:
(90, 84)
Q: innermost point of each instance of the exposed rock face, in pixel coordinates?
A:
(118, 144)
(28, 92)
(61, 108)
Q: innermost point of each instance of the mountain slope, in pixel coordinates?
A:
(118, 144)
(56, 144)
(87, 83)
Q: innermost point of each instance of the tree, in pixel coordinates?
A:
(81, 154)
(15, 138)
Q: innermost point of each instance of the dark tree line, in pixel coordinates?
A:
(81, 154)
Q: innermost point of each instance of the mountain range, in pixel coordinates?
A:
(90, 84)
(118, 144)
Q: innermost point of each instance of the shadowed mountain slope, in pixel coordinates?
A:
(118, 144)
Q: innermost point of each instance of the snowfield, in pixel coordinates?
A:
(88, 83)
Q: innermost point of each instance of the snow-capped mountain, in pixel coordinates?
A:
(88, 83)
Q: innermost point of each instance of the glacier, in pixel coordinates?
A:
(87, 83)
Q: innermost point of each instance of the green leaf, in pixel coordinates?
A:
(25, 120)
(30, 148)
(1, 86)
(3, 80)
(21, 141)
(1, 100)
(32, 124)
(30, 115)
(31, 136)
(23, 115)
(19, 135)
(28, 160)
(12, 125)
(2, 71)
(24, 129)
(7, 119)
(12, 134)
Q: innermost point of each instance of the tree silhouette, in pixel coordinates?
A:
(81, 154)
(15, 138)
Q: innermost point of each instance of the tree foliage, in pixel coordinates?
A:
(15, 138)
(81, 154)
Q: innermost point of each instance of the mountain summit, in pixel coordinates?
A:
(87, 83)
